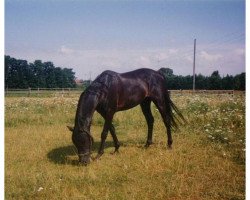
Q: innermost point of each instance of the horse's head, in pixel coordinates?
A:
(83, 142)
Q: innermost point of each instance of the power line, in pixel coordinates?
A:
(188, 53)
(220, 43)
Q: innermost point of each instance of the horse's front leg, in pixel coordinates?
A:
(104, 134)
(103, 138)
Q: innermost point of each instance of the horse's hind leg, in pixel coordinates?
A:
(145, 106)
(116, 142)
(165, 113)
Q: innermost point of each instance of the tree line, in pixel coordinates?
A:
(212, 82)
(21, 74)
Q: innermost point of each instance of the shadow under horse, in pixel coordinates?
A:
(111, 92)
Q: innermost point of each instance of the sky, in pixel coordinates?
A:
(93, 36)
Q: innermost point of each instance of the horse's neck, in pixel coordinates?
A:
(84, 114)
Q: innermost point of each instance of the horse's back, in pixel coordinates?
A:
(135, 86)
(142, 72)
(135, 74)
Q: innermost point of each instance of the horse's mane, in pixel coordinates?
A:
(103, 81)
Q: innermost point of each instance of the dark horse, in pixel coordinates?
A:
(111, 92)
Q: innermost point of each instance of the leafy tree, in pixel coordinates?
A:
(59, 77)
(21, 74)
(167, 72)
(201, 82)
(39, 78)
(215, 81)
(240, 81)
(68, 78)
(49, 71)
(228, 82)
(17, 73)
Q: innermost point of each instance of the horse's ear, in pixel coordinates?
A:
(70, 128)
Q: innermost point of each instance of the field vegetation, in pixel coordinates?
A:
(207, 160)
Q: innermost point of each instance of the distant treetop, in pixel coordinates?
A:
(21, 74)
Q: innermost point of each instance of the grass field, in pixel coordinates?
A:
(207, 160)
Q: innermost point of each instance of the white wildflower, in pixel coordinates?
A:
(40, 189)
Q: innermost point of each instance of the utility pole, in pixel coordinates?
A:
(90, 76)
(194, 65)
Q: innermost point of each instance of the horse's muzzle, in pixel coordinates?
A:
(84, 159)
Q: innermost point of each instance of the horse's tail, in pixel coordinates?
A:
(173, 112)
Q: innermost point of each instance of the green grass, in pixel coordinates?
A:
(207, 160)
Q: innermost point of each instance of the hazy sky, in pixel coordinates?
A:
(92, 36)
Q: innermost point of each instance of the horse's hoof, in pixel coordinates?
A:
(83, 163)
(147, 145)
(115, 152)
(98, 157)
(169, 147)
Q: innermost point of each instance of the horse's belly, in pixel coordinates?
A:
(129, 101)
(131, 93)
(126, 107)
